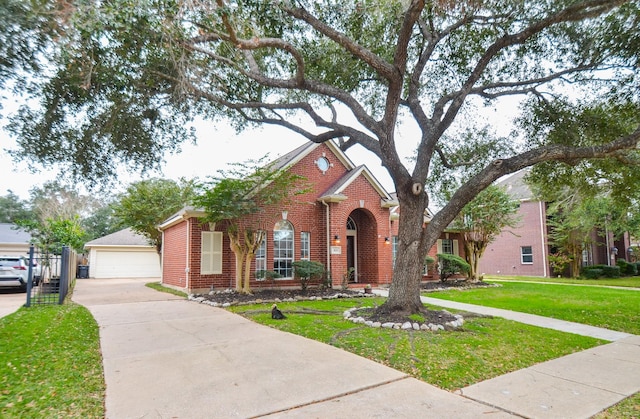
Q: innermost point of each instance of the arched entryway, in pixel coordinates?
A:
(361, 246)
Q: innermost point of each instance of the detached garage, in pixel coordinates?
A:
(123, 254)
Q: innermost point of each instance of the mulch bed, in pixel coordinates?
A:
(283, 294)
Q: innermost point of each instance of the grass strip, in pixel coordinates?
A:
(613, 309)
(484, 348)
(629, 408)
(627, 282)
(51, 365)
(159, 287)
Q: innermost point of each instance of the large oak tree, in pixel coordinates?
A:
(126, 75)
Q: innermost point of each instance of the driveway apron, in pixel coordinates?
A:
(165, 357)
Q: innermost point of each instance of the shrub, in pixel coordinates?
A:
(559, 262)
(306, 270)
(592, 273)
(608, 271)
(270, 275)
(451, 265)
(626, 268)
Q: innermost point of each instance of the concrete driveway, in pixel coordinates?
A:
(165, 357)
(11, 300)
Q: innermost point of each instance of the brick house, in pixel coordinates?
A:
(348, 221)
(525, 250)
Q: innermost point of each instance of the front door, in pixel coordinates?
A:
(351, 258)
(352, 250)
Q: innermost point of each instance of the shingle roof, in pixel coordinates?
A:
(126, 237)
(9, 233)
(516, 186)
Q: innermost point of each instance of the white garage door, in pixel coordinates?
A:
(114, 264)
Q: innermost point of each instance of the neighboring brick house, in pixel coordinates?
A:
(524, 250)
(348, 220)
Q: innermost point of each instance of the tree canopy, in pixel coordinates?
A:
(126, 76)
(147, 203)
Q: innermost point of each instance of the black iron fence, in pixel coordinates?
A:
(50, 276)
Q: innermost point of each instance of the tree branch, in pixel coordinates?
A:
(499, 168)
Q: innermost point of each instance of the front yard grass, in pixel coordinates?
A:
(50, 364)
(483, 348)
(614, 309)
(630, 282)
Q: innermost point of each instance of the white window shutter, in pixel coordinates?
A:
(211, 252)
(439, 245)
(455, 248)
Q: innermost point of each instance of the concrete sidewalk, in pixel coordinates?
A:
(166, 357)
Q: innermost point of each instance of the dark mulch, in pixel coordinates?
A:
(269, 295)
(233, 297)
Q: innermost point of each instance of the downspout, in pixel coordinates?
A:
(328, 238)
(187, 269)
(542, 235)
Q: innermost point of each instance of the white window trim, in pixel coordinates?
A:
(522, 255)
(264, 258)
(211, 258)
(305, 245)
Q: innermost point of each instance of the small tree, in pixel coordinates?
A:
(52, 234)
(147, 203)
(451, 265)
(306, 270)
(246, 189)
(482, 220)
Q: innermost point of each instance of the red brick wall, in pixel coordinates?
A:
(174, 260)
(503, 256)
(307, 214)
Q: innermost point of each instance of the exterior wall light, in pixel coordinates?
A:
(336, 238)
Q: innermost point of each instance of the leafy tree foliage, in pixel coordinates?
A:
(482, 220)
(126, 76)
(52, 234)
(147, 203)
(101, 221)
(12, 208)
(246, 189)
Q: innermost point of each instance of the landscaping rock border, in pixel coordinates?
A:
(451, 325)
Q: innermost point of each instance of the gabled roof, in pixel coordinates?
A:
(334, 193)
(516, 186)
(183, 214)
(294, 156)
(286, 161)
(126, 237)
(11, 234)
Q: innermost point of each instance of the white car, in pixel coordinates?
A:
(14, 272)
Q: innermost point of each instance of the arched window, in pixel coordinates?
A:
(283, 248)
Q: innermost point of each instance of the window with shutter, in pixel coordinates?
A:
(211, 253)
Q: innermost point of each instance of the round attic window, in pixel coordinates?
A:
(323, 164)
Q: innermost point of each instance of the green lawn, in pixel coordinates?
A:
(51, 365)
(613, 309)
(631, 282)
(482, 349)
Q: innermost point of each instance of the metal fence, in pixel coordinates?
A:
(50, 276)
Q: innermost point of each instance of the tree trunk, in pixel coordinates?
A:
(471, 258)
(234, 243)
(404, 292)
(246, 287)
